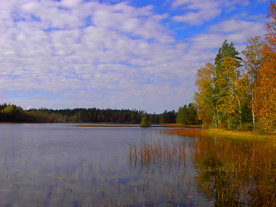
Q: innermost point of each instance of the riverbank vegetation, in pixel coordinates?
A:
(195, 132)
(230, 172)
(239, 94)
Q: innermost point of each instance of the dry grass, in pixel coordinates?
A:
(180, 125)
(157, 153)
(185, 132)
(216, 133)
(237, 134)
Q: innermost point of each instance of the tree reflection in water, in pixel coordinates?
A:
(229, 172)
(236, 172)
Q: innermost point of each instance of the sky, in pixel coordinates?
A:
(136, 54)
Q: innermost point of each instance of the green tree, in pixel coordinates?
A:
(145, 121)
(182, 116)
(223, 95)
(234, 94)
(225, 71)
(187, 115)
(204, 98)
(226, 50)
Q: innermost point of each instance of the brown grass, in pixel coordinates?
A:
(180, 125)
(157, 153)
(185, 132)
(217, 133)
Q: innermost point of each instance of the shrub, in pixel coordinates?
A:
(145, 122)
(245, 127)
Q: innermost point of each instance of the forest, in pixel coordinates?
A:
(238, 93)
(13, 113)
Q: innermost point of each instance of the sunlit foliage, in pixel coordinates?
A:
(266, 90)
(204, 98)
(253, 60)
(223, 91)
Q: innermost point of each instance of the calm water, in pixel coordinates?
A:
(65, 165)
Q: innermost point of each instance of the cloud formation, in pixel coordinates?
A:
(197, 11)
(75, 53)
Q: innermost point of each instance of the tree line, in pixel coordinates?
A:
(13, 113)
(240, 94)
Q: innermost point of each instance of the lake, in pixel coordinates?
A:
(67, 165)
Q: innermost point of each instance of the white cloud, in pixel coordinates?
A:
(196, 12)
(52, 56)
(234, 25)
(70, 3)
(207, 41)
(239, 31)
(195, 18)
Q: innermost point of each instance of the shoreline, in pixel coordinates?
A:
(116, 126)
(220, 133)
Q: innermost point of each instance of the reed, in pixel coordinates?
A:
(157, 153)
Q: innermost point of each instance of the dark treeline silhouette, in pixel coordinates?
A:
(13, 113)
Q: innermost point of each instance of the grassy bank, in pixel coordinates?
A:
(180, 125)
(217, 132)
(239, 135)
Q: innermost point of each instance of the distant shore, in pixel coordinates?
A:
(115, 125)
(173, 125)
(109, 125)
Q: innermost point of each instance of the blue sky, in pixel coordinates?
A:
(116, 54)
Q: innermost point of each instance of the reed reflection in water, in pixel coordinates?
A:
(157, 154)
(168, 173)
(234, 172)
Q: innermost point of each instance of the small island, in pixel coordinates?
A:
(145, 122)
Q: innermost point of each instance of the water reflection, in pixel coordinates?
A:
(158, 155)
(62, 165)
(236, 172)
(170, 172)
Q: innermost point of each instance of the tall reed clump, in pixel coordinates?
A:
(157, 153)
(236, 172)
